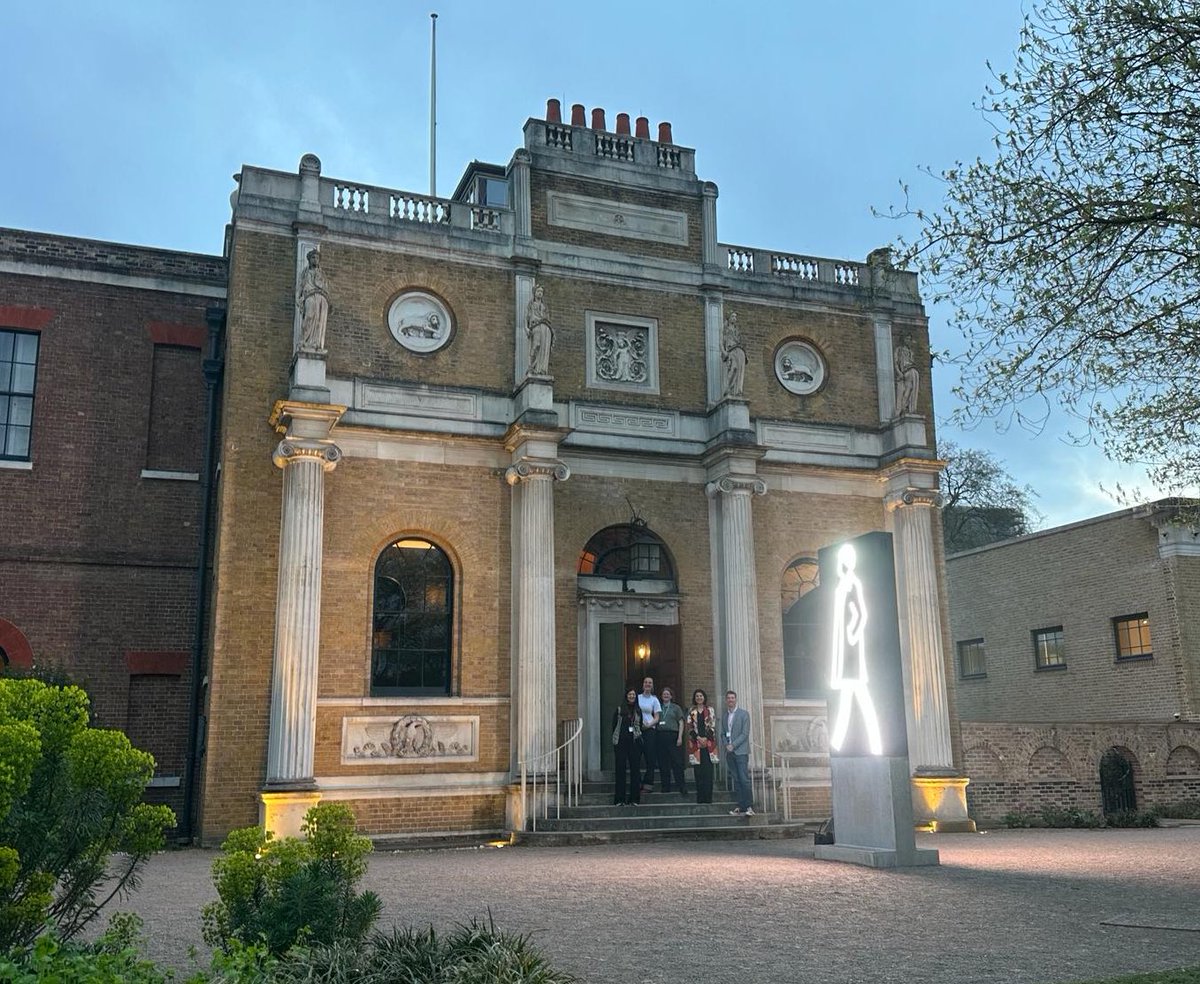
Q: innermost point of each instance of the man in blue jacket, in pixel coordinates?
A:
(737, 749)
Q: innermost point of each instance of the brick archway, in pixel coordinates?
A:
(17, 651)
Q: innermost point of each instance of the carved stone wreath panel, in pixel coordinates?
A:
(622, 352)
(420, 321)
(799, 735)
(402, 738)
(799, 367)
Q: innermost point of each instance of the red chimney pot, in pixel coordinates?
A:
(553, 111)
(577, 112)
(664, 133)
(623, 124)
(598, 119)
(643, 128)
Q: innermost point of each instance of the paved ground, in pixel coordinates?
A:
(1008, 906)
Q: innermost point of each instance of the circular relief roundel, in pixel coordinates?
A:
(420, 322)
(799, 367)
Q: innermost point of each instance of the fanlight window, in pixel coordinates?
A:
(629, 552)
(412, 627)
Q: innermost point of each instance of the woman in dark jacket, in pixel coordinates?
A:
(701, 731)
(627, 741)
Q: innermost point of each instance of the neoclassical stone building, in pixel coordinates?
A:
(487, 459)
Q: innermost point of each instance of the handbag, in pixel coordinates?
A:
(617, 733)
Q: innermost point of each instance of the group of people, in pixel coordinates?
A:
(659, 732)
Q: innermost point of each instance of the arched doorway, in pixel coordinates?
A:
(1117, 791)
(628, 627)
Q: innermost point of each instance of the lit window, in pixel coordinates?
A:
(412, 627)
(1133, 636)
(1048, 650)
(971, 661)
(18, 375)
(803, 653)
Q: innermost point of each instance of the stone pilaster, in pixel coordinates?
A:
(708, 217)
(521, 200)
(305, 454)
(885, 373)
(939, 791)
(532, 475)
(740, 667)
(714, 317)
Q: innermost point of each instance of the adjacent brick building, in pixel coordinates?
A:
(1078, 653)
(102, 428)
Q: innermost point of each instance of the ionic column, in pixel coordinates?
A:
(298, 610)
(741, 660)
(920, 613)
(535, 727)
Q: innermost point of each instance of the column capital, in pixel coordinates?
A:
(736, 485)
(297, 418)
(534, 468)
(293, 449)
(913, 496)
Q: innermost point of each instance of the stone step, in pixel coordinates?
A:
(736, 830)
(634, 819)
(659, 799)
(664, 807)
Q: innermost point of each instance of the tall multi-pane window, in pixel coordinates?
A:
(1048, 650)
(412, 623)
(18, 375)
(1133, 636)
(805, 673)
(971, 661)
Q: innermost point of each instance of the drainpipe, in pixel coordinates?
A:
(213, 368)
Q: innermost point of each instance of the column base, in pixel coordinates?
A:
(940, 803)
(876, 857)
(281, 811)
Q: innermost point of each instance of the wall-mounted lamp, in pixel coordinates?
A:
(642, 651)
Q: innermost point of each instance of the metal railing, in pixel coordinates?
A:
(770, 784)
(566, 764)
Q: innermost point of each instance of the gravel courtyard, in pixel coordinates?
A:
(1007, 906)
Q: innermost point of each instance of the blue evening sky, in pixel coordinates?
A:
(125, 120)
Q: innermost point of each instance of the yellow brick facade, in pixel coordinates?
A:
(428, 459)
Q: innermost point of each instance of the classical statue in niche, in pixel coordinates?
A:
(312, 300)
(539, 332)
(908, 379)
(733, 358)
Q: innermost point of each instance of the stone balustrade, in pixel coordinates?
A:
(394, 207)
(619, 147)
(769, 264)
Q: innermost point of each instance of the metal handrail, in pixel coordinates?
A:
(566, 758)
(766, 786)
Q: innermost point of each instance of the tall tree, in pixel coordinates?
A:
(1072, 259)
(981, 501)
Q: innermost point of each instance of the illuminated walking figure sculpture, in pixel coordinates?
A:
(849, 654)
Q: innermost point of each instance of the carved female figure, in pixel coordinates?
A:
(733, 357)
(539, 332)
(312, 299)
(908, 380)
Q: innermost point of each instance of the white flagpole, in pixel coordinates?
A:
(433, 106)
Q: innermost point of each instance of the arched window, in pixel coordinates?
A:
(630, 552)
(412, 623)
(804, 669)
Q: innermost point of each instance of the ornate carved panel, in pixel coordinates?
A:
(403, 738)
(622, 352)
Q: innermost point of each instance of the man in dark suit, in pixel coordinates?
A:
(737, 750)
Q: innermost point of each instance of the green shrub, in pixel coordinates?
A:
(114, 958)
(1183, 810)
(1021, 817)
(1054, 816)
(1131, 818)
(472, 954)
(278, 892)
(73, 832)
